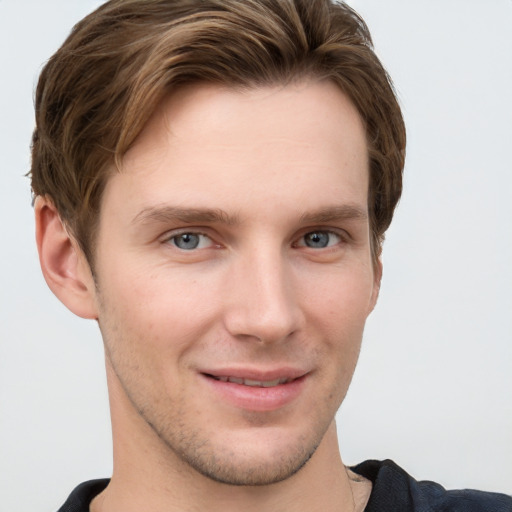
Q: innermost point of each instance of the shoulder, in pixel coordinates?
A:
(81, 497)
(395, 490)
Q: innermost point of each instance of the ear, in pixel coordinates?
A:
(64, 265)
(377, 278)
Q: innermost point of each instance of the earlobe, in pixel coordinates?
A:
(64, 265)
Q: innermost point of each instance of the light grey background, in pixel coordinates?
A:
(433, 389)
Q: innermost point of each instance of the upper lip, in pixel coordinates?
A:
(263, 375)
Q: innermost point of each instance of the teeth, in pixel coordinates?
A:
(271, 383)
(253, 383)
(260, 383)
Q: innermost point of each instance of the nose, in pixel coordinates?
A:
(262, 304)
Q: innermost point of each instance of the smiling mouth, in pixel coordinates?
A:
(251, 382)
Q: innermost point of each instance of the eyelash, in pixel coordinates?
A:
(175, 237)
(328, 232)
(299, 243)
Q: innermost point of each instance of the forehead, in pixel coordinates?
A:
(304, 111)
(207, 144)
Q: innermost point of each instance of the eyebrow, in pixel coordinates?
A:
(335, 214)
(186, 215)
(166, 214)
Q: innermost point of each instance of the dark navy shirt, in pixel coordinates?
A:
(393, 491)
(396, 491)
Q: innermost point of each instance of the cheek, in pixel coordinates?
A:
(158, 310)
(341, 300)
(337, 311)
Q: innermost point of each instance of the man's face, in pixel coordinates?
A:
(235, 275)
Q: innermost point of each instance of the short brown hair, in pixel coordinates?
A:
(96, 93)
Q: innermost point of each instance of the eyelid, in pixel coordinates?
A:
(340, 233)
(169, 235)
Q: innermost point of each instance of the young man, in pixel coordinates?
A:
(213, 180)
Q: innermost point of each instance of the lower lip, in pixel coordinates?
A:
(254, 398)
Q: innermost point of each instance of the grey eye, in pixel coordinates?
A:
(317, 239)
(187, 241)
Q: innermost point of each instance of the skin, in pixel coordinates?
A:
(235, 239)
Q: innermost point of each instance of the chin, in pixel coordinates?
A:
(241, 457)
(232, 468)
